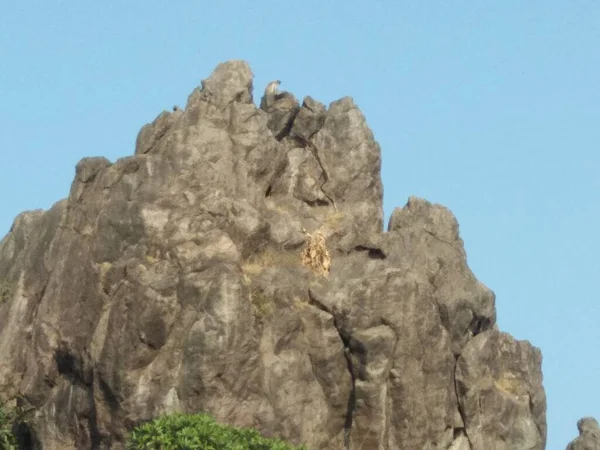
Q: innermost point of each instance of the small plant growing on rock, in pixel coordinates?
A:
(7, 438)
(263, 305)
(315, 255)
(5, 291)
(199, 431)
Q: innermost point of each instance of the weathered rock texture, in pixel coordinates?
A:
(589, 435)
(171, 281)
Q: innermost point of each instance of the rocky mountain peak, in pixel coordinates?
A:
(183, 278)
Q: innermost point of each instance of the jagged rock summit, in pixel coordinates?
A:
(172, 280)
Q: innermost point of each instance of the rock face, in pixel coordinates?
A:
(171, 280)
(589, 435)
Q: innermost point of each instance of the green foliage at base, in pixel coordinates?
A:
(7, 439)
(201, 432)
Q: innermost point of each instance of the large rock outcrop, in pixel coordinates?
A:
(171, 280)
(589, 435)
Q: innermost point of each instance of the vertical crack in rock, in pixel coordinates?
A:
(285, 132)
(352, 398)
(313, 149)
(345, 338)
(460, 409)
(537, 425)
(37, 302)
(95, 435)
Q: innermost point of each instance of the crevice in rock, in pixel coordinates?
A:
(389, 324)
(268, 191)
(288, 127)
(70, 366)
(351, 406)
(313, 149)
(537, 425)
(348, 343)
(460, 409)
(436, 237)
(316, 203)
(38, 302)
(479, 324)
(26, 436)
(49, 382)
(372, 252)
(95, 435)
(313, 301)
(111, 399)
(67, 228)
(65, 362)
(159, 135)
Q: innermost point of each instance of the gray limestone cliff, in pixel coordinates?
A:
(172, 280)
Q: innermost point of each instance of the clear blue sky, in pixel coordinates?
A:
(490, 108)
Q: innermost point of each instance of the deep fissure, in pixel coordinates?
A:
(346, 341)
(460, 409)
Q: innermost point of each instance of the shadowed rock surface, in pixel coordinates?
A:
(171, 280)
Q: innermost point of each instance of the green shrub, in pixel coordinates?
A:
(199, 431)
(7, 439)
